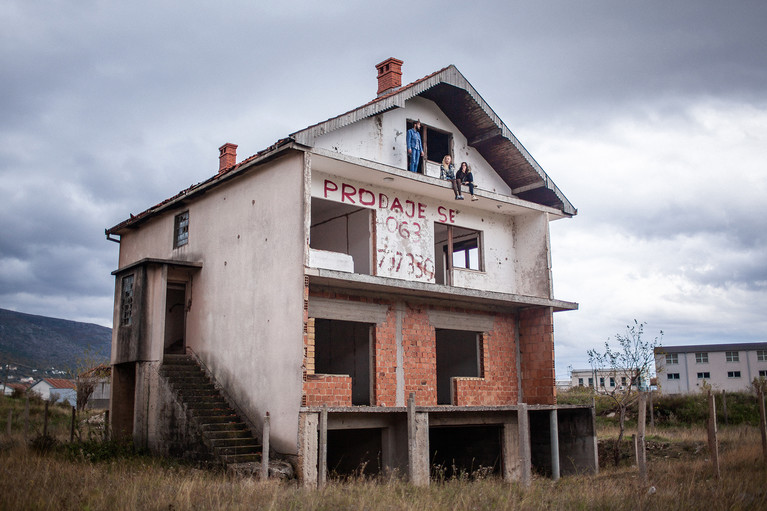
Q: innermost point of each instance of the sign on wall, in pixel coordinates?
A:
(404, 233)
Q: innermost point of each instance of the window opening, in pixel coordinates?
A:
(672, 358)
(761, 355)
(181, 229)
(126, 307)
(673, 376)
(733, 374)
(732, 356)
(344, 229)
(343, 347)
(701, 358)
(458, 354)
(762, 373)
(704, 375)
(460, 248)
(436, 142)
(580, 382)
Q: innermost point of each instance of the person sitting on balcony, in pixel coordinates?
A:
(465, 177)
(447, 171)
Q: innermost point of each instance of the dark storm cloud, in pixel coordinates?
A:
(108, 108)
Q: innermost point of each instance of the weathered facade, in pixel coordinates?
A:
(370, 313)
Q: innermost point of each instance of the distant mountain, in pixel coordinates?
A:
(41, 342)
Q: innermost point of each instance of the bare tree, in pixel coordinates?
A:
(88, 371)
(629, 365)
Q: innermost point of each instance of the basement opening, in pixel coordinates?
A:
(342, 233)
(458, 354)
(354, 452)
(344, 348)
(471, 450)
(123, 399)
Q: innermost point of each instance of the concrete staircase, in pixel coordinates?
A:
(226, 435)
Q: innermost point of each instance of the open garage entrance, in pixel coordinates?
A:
(354, 452)
(471, 450)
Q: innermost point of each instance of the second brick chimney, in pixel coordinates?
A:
(389, 75)
(227, 156)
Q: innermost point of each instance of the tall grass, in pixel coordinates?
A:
(68, 479)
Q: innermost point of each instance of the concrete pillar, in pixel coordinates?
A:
(307, 448)
(510, 447)
(417, 444)
(554, 433)
(523, 423)
(322, 475)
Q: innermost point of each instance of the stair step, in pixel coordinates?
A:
(245, 441)
(226, 434)
(240, 458)
(207, 420)
(224, 426)
(237, 450)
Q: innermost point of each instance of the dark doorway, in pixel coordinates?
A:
(458, 354)
(353, 452)
(123, 400)
(471, 450)
(343, 347)
(175, 317)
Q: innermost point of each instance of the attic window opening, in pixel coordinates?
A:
(436, 142)
(181, 229)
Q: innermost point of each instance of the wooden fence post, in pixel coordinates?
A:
(26, 418)
(45, 420)
(763, 423)
(724, 406)
(652, 413)
(713, 442)
(72, 426)
(265, 448)
(641, 453)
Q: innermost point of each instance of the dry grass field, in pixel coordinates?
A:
(680, 477)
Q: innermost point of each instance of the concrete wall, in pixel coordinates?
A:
(388, 130)
(514, 249)
(245, 318)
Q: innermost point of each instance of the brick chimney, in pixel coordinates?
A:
(389, 75)
(227, 156)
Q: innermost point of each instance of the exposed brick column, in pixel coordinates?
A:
(420, 356)
(536, 346)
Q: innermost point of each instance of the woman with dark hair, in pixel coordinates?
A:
(447, 171)
(464, 176)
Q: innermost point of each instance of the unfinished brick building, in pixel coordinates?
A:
(379, 321)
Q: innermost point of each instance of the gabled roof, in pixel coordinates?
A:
(485, 131)
(58, 383)
(465, 108)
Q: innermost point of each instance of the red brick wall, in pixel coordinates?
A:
(498, 386)
(536, 345)
(327, 389)
(385, 374)
(419, 356)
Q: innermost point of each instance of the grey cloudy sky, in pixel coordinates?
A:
(650, 116)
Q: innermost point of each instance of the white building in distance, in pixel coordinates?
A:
(729, 367)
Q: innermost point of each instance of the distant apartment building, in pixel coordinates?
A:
(730, 367)
(603, 380)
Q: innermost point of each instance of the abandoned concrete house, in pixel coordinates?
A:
(382, 325)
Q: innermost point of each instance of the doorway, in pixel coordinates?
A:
(175, 318)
